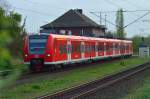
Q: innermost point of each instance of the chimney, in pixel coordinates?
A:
(79, 11)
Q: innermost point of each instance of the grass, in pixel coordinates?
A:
(140, 93)
(71, 78)
(7, 77)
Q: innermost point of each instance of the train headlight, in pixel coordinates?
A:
(26, 55)
(48, 55)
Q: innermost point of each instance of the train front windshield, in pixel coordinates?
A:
(37, 44)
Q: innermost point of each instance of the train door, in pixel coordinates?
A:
(87, 49)
(96, 49)
(113, 48)
(92, 49)
(82, 50)
(105, 50)
(75, 49)
(60, 50)
(101, 48)
(69, 50)
(119, 48)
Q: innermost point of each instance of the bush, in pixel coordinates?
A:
(5, 60)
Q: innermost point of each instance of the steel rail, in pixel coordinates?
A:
(108, 83)
(90, 87)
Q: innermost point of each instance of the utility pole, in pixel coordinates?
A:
(132, 22)
(105, 18)
(100, 14)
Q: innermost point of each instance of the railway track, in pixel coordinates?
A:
(31, 77)
(88, 89)
(28, 77)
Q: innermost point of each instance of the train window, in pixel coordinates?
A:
(88, 48)
(78, 49)
(101, 48)
(111, 47)
(116, 47)
(37, 44)
(82, 48)
(122, 47)
(96, 48)
(107, 47)
(127, 47)
(72, 49)
(93, 48)
(85, 48)
(61, 49)
(64, 49)
(69, 48)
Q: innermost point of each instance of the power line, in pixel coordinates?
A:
(45, 5)
(34, 11)
(128, 11)
(127, 24)
(114, 4)
(132, 4)
(137, 19)
(104, 19)
(118, 6)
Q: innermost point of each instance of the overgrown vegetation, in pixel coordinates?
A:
(142, 92)
(68, 79)
(137, 40)
(11, 36)
(120, 24)
(10, 43)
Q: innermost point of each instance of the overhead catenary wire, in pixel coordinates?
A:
(132, 4)
(45, 5)
(112, 3)
(127, 11)
(118, 6)
(137, 19)
(127, 24)
(34, 11)
(104, 19)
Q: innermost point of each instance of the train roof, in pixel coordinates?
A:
(83, 38)
(87, 38)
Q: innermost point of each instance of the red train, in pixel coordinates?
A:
(52, 49)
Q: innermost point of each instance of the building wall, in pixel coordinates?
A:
(98, 32)
(90, 32)
(78, 31)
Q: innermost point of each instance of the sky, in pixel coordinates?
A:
(41, 12)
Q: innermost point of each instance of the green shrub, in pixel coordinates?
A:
(5, 60)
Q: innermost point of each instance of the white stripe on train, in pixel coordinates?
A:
(79, 60)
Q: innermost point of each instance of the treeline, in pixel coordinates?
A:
(10, 38)
(138, 40)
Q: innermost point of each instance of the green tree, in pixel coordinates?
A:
(5, 39)
(10, 37)
(120, 24)
(136, 42)
(10, 44)
(15, 33)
